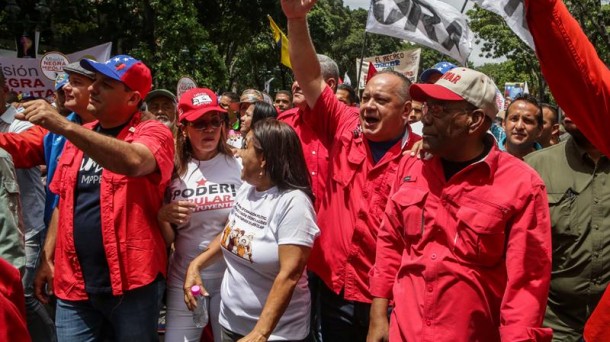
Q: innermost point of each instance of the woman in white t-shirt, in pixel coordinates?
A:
(200, 198)
(266, 242)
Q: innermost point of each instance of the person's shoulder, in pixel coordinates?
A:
(289, 115)
(546, 153)
(516, 170)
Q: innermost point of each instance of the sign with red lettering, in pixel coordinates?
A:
(33, 75)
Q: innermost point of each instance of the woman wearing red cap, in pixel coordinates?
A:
(200, 197)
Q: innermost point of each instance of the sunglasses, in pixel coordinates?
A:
(203, 125)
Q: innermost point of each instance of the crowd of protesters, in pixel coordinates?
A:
(417, 212)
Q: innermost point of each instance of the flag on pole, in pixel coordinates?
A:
(431, 23)
(347, 80)
(282, 42)
(513, 11)
(372, 71)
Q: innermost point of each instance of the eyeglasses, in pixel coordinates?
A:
(436, 109)
(204, 125)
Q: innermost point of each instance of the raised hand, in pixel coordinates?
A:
(41, 113)
(294, 9)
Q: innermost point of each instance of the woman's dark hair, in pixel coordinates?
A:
(262, 110)
(283, 153)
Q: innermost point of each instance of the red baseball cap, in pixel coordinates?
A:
(197, 102)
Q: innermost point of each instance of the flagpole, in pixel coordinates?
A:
(361, 63)
(462, 11)
(464, 6)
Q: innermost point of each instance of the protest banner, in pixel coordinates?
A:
(26, 75)
(405, 62)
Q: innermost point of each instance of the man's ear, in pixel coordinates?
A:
(477, 120)
(408, 106)
(135, 98)
(332, 83)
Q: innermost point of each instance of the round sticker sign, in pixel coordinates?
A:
(52, 63)
(184, 84)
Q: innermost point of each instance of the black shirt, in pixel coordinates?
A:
(88, 240)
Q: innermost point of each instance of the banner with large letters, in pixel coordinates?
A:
(36, 76)
(431, 23)
(404, 62)
(513, 11)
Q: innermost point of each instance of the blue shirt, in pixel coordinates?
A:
(53, 146)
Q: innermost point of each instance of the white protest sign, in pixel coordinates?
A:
(185, 83)
(25, 75)
(404, 62)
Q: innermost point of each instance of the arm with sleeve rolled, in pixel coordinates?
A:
(133, 159)
(324, 113)
(26, 148)
(528, 267)
(577, 77)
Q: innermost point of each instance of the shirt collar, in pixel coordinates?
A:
(9, 115)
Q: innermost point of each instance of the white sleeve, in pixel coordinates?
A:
(296, 220)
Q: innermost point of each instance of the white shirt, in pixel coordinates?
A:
(258, 224)
(212, 185)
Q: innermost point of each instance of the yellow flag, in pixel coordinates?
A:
(282, 41)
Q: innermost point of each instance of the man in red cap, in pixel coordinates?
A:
(464, 245)
(110, 257)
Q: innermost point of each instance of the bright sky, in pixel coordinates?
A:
(474, 56)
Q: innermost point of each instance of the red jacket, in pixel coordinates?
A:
(12, 305)
(316, 154)
(580, 83)
(26, 148)
(467, 259)
(353, 204)
(135, 249)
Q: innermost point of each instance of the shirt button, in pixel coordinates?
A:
(433, 256)
(428, 323)
(313, 173)
(429, 288)
(596, 227)
(313, 152)
(596, 200)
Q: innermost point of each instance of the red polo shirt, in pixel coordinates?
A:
(135, 249)
(316, 154)
(356, 194)
(467, 259)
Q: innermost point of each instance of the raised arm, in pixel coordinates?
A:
(577, 77)
(131, 159)
(303, 57)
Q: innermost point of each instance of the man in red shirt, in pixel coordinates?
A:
(464, 248)
(364, 153)
(110, 257)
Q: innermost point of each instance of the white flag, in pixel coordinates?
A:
(526, 89)
(347, 80)
(513, 11)
(431, 23)
(268, 85)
